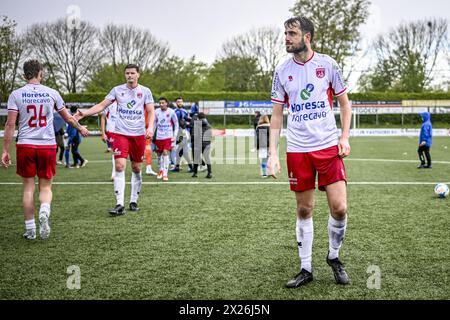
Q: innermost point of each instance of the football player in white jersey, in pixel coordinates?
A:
(107, 127)
(33, 105)
(129, 133)
(306, 84)
(166, 126)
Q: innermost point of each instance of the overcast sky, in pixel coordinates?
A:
(199, 27)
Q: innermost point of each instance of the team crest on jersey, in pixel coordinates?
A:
(320, 72)
(290, 78)
(139, 95)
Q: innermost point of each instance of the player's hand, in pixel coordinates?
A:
(6, 159)
(344, 147)
(149, 133)
(104, 138)
(78, 115)
(84, 131)
(273, 166)
(422, 143)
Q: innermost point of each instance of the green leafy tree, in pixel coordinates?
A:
(11, 48)
(233, 74)
(337, 26)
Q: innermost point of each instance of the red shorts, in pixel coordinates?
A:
(302, 168)
(110, 136)
(162, 145)
(132, 145)
(35, 160)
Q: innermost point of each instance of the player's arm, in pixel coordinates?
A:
(150, 108)
(346, 117)
(176, 126)
(276, 123)
(10, 126)
(73, 122)
(93, 110)
(103, 127)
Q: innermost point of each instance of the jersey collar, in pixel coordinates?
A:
(303, 63)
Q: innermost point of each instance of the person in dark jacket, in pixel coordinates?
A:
(201, 137)
(74, 142)
(425, 141)
(59, 128)
(262, 143)
(255, 124)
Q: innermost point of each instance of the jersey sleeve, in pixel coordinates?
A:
(148, 97)
(278, 93)
(59, 102)
(337, 80)
(12, 104)
(111, 96)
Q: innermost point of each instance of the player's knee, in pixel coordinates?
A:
(339, 210)
(120, 167)
(305, 212)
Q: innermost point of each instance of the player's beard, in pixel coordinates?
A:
(301, 48)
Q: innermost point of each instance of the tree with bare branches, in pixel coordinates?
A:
(69, 52)
(407, 56)
(124, 44)
(265, 45)
(337, 27)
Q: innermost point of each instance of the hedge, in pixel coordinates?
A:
(96, 97)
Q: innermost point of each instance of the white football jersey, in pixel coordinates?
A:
(166, 124)
(130, 119)
(111, 114)
(307, 89)
(35, 104)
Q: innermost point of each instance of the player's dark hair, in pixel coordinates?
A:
(303, 23)
(179, 98)
(163, 99)
(201, 115)
(31, 69)
(132, 66)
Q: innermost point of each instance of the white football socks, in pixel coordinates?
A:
(305, 234)
(45, 209)
(30, 224)
(113, 166)
(166, 162)
(119, 187)
(136, 184)
(336, 233)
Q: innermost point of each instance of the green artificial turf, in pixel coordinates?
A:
(234, 240)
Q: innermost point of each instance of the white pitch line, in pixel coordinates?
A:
(230, 161)
(232, 183)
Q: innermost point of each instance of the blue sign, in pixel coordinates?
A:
(248, 104)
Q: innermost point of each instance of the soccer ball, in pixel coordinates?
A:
(441, 190)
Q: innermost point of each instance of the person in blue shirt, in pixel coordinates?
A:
(74, 142)
(194, 109)
(59, 126)
(182, 145)
(425, 141)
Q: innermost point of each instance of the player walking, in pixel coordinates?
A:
(166, 125)
(306, 83)
(129, 133)
(33, 104)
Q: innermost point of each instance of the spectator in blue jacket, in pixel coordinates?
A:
(194, 109)
(425, 141)
(74, 142)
